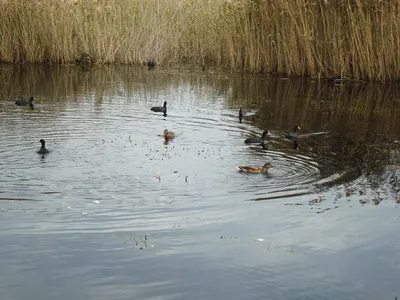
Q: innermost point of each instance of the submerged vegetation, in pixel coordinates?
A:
(353, 38)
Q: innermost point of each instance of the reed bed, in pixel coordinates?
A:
(359, 39)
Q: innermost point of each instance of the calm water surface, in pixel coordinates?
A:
(114, 212)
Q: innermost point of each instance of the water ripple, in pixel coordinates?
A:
(169, 218)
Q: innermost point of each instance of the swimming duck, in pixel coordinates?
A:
(257, 140)
(293, 135)
(43, 149)
(25, 102)
(240, 114)
(255, 169)
(160, 108)
(169, 135)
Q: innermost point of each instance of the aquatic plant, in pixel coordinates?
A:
(356, 38)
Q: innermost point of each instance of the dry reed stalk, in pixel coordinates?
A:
(359, 39)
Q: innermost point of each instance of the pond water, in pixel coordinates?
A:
(116, 212)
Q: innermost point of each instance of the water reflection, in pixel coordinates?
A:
(344, 127)
(124, 212)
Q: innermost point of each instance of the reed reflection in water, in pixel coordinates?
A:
(115, 212)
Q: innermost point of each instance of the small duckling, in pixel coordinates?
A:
(25, 102)
(293, 135)
(255, 169)
(43, 149)
(169, 135)
(160, 108)
(257, 140)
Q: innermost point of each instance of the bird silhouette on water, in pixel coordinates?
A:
(255, 169)
(293, 135)
(254, 140)
(162, 109)
(169, 135)
(25, 102)
(43, 149)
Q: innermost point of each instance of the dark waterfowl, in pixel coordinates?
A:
(25, 102)
(293, 135)
(169, 135)
(43, 149)
(162, 109)
(255, 140)
(255, 169)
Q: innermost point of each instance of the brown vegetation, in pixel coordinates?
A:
(354, 38)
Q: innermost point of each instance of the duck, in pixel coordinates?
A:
(293, 135)
(254, 140)
(169, 135)
(43, 149)
(25, 102)
(240, 114)
(255, 169)
(160, 108)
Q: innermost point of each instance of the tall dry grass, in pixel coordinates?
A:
(354, 38)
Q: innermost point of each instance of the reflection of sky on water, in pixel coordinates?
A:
(110, 181)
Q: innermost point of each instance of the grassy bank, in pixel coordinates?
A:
(354, 38)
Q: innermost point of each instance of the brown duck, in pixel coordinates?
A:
(169, 135)
(255, 169)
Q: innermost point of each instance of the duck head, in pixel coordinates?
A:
(297, 127)
(265, 133)
(266, 167)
